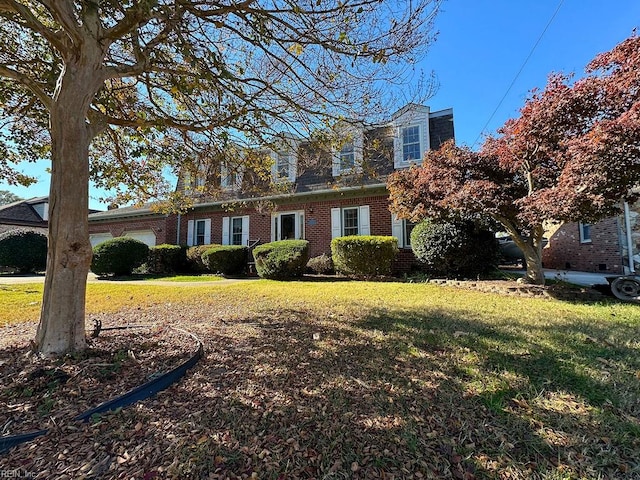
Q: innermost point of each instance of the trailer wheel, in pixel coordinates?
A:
(626, 288)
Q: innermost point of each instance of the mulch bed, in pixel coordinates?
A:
(40, 393)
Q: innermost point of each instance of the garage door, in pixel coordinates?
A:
(98, 238)
(145, 236)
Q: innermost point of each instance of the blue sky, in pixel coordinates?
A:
(480, 48)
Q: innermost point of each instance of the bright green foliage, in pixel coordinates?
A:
(364, 255)
(119, 256)
(281, 260)
(24, 250)
(226, 259)
(166, 258)
(322, 264)
(454, 248)
(194, 257)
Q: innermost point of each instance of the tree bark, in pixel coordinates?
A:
(531, 247)
(62, 318)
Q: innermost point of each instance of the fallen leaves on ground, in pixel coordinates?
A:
(294, 393)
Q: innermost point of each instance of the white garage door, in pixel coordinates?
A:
(145, 236)
(98, 238)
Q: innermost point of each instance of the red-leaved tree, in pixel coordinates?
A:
(572, 154)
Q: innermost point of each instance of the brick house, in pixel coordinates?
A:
(600, 247)
(342, 192)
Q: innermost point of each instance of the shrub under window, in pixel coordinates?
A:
(166, 258)
(226, 259)
(364, 255)
(454, 248)
(282, 259)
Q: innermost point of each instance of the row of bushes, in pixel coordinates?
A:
(457, 248)
(122, 255)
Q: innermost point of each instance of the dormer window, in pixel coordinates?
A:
(347, 157)
(412, 135)
(230, 177)
(284, 167)
(411, 148)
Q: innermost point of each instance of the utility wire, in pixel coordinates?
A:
(519, 72)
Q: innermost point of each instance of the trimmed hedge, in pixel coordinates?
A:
(23, 249)
(119, 256)
(166, 258)
(282, 259)
(322, 264)
(454, 248)
(364, 255)
(194, 257)
(226, 259)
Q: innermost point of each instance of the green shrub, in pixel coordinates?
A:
(226, 259)
(454, 248)
(281, 260)
(194, 257)
(322, 264)
(166, 258)
(23, 249)
(119, 256)
(364, 255)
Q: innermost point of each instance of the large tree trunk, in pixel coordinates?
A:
(532, 249)
(533, 261)
(62, 319)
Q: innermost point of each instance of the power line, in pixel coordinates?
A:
(519, 72)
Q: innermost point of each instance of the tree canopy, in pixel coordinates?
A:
(124, 90)
(572, 154)
(7, 197)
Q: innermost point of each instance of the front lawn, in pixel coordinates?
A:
(366, 380)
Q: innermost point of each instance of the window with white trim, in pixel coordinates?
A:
(412, 136)
(199, 232)
(230, 176)
(401, 229)
(585, 232)
(411, 146)
(284, 167)
(348, 157)
(235, 230)
(287, 226)
(350, 221)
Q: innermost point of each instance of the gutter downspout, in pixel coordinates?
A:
(178, 230)
(627, 224)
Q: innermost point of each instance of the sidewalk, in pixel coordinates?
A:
(579, 278)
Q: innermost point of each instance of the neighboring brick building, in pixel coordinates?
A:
(598, 247)
(343, 195)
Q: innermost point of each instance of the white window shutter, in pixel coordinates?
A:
(274, 227)
(190, 233)
(207, 231)
(245, 230)
(363, 220)
(336, 223)
(225, 231)
(397, 230)
(293, 166)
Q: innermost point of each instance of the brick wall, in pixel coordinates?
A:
(317, 223)
(565, 251)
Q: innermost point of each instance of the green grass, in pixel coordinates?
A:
(515, 387)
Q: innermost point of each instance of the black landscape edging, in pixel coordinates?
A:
(142, 392)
